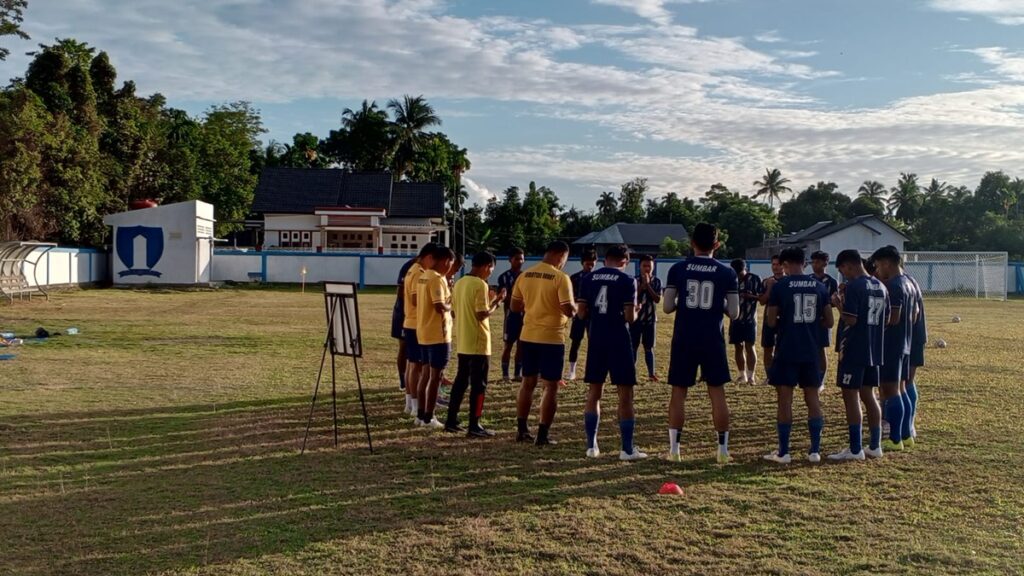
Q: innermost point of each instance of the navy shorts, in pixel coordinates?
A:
(604, 361)
(892, 368)
(768, 337)
(643, 334)
(853, 377)
(916, 354)
(413, 353)
(397, 319)
(713, 364)
(578, 329)
(825, 337)
(437, 355)
(742, 332)
(544, 360)
(513, 326)
(803, 374)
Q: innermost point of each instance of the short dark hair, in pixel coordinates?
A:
(739, 265)
(869, 265)
(557, 247)
(820, 255)
(704, 236)
(589, 256)
(483, 259)
(848, 257)
(617, 252)
(428, 249)
(516, 251)
(443, 253)
(646, 258)
(793, 254)
(775, 257)
(888, 253)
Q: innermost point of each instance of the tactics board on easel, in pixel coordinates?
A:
(342, 310)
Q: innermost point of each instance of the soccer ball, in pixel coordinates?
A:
(956, 319)
(940, 343)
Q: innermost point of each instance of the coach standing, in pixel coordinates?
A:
(544, 293)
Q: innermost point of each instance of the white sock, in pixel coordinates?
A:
(673, 440)
(415, 406)
(572, 369)
(408, 402)
(749, 374)
(723, 448)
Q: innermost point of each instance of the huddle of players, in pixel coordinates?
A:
(876, 332)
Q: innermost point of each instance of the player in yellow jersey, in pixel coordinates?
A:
(433, 332)
(544, 294)
(414, 360)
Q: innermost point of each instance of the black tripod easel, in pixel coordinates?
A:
(343, 339)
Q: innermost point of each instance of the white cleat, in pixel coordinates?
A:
(876, 453)
(673, 457)
(846, 455)
(774, 457)
(814, 457)
(636, 455)
(434, 423)
(593, 452)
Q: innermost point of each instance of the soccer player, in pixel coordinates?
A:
(414, 360)
(578, 326)
(513, 320)
(743, 330)
(473, 307)
(544, 294)
(460, 261)
(865, 310)
(799, 308)
(607, 302)
(768, 336)
(819, 264)
(703, 290)
(917, 343)
(434, 332)
(397, 320)
(896, 342)
(645, 328)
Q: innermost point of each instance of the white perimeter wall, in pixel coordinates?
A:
(66, 267)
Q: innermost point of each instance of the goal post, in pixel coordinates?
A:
(960, 274)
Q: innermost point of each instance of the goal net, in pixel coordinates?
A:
(963, 274)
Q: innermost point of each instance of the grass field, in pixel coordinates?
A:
(164, 439)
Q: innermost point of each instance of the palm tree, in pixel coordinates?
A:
(936, 190)
(607, 206)
(905, 198)
(772, 186)
(872, 189)
(413, 115)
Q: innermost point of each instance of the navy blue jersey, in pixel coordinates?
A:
(507, 280)
(701, 286)
(576, 280)
(801, 302)
(750, 285)
(867, 300)
(645, 313)
(606, 293)
(919, 335)
(901, 295)
(829, 283)
(399, 303)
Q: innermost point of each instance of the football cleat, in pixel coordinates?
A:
(891, 446)
(876, 453)
(593, 452)
(635, 455)
(774, 457)
(845, 454)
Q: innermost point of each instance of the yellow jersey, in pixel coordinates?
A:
(409, 290)
(432, 327)
(474, 336)
(543, 289)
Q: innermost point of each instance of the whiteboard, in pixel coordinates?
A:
(342, 310)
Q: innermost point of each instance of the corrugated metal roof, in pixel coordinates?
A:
(303, 190)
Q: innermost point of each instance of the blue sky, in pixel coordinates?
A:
(582, 95)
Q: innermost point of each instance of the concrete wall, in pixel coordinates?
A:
(186, 228)
(62, 267)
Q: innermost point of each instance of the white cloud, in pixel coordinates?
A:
(1009, 12)
(478, 193)
(769, 37)
(1005, 63)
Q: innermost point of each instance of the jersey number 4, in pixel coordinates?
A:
(601, 302)
(805, 308)
(699, 294)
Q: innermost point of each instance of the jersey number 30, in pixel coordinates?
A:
(699, 294)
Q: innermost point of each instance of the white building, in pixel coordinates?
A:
(338, 210)
(170, 244)
(865, 233)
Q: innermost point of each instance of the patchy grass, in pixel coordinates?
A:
(164, 438)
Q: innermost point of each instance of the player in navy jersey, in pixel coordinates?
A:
(819, 264)
(743, 330)
(768, 335)
(513, 325)
(917, 343)
(864, 302)
(398, 318)
(607, 302)
(644, 330)
(799, 308)
(578, 327)
(896, 342)
(703, 290)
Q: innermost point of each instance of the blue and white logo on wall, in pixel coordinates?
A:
(125, 245)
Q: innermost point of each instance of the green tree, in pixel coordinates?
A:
(996, 193)
(863, 205)
(24, 132)
(872, 189)
(670, 248)
(607, 209)
(504, 218)
(935, 190)
(817, 203)
(11, 17)
(412, 116)
(364, 142)
(905, 198)
(631, 201)
(671, 209)
(229, 134)
(540, 218)
(772, 186)
(743, 223)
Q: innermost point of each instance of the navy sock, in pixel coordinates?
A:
(504, 369)
(856, 437)
(894, 415)
(876, 437)
(815, 425)
(401, 379)
(591, 420)
(908, 411)
(649, 358)
(626, 429)
(784, 429)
